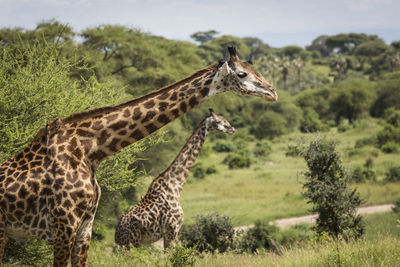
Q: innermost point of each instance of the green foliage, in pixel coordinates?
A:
(270, 125)
(224, 146)
(390, 147)
(393, 174)
(367, 141)
(392, 116)
(211, 232)
(258, 237)
(396, 208)
(310, 122)
(351, 99)
(32, 253)
(389, 134)
(326, 188)
(36, 88)
(362, 174)
(262, 149)
(199, 171)
(388, 96)
(182, 256)
(237, 161)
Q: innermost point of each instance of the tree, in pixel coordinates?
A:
(291, 51)
(298, 65)
(319, 44)
(270, 125)
(204, 37)
(345, 43)
(351, 99)
(327, 190)
(258, 48)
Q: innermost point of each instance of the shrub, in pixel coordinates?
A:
(199, 171)
(182, 256)
(310, 121)
(257, 237)
(393, 174)
(368, 141)
(396, 208)
(293, 151)
(32, 253)
(211, 232)
(262, 149)
(343, 126)
(362, 175)
(211, 170)
(326, 188)
(388, 134)
(392, 116)
(224, 146)
(390, 147)
(237, 161)
(270, 125)
(99, 230)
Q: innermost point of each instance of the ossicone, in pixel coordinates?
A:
(232, 52)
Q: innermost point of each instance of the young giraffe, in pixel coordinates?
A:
(49, 190)
(159, 213)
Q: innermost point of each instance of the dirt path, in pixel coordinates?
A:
(285, 223)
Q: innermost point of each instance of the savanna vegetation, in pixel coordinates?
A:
(342, 89)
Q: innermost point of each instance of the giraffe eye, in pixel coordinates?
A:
(250, 62)
(242, 74)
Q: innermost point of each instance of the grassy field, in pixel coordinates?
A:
(378, 247)
(271, 188)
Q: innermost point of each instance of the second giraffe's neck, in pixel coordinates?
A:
(109, 129)
(175, 176)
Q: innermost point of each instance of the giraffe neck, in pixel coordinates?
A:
(175, 176)
(104, 131)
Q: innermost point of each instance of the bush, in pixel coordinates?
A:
(310, 122)
(343, 126)
(237, 161)
(224, 146)
(293, 151)
(99, 230)
(326, 188)
(182, 256)
(257, 237)
(388, 134)
(396, 208)
(211, 232)
(262, 149)
(393, 174)
(199, 171)
(390, 147)
(33, 253)
(211, 170)
(368, 141)
(362, 175)
(392, 116)
(270, 125)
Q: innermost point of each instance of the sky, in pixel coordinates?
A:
(277, 22)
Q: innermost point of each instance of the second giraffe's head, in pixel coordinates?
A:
(242, 78)
(218, 123)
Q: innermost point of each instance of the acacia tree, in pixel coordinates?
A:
(326, 188)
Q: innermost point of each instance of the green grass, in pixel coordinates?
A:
(378, 247)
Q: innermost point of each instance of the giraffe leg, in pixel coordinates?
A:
(3, 238)
(64, 238)
(80, 249)
(170, 235)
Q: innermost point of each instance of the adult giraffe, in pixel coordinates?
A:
(49, 190)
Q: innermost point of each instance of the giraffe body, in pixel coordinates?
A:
(49, 190)
(159, 213)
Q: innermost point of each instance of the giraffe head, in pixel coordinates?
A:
(242, 78)
(218, 123)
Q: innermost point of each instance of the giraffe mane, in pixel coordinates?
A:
(104, 110)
